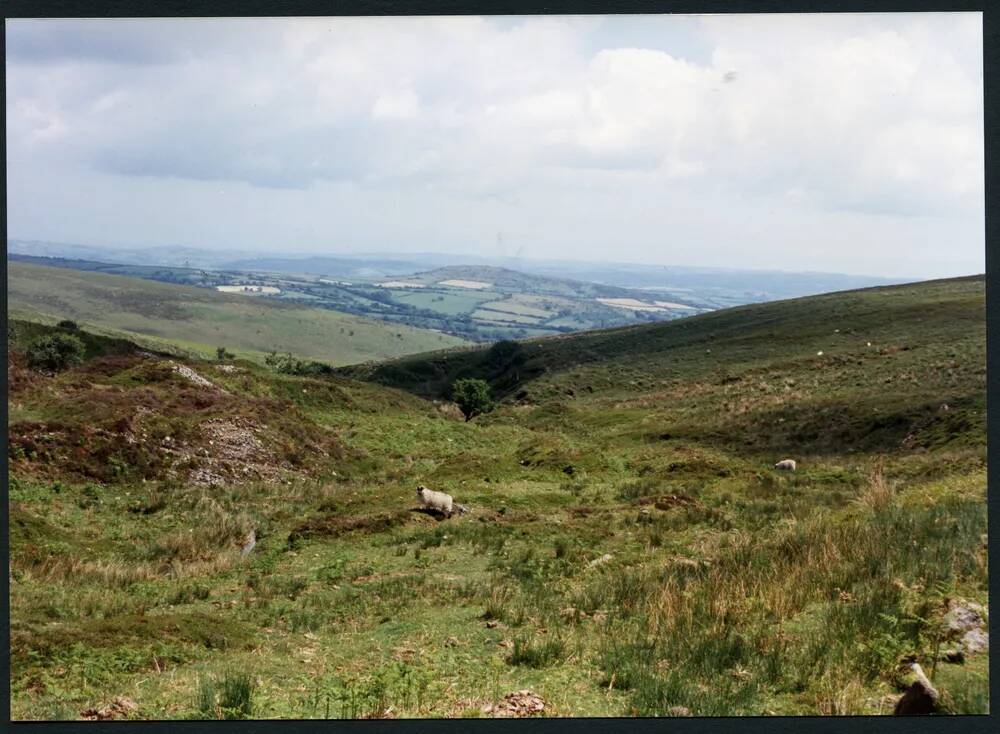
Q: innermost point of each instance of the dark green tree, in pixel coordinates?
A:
(473, 396)
(55, 352)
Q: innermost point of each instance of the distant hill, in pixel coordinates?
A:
(708, 287)
(474, 302)
(199, 320)
(890, 317)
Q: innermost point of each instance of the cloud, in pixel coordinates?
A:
(868, 115)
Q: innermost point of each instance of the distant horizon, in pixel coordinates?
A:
(404, 255)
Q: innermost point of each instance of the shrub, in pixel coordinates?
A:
(68, 325)
(222, 354)
(472, 396)
(55, 352)
(289, 365)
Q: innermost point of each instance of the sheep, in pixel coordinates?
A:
(438, 502)
(786, 464)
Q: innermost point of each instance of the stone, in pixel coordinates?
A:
(119, 708)
(976, 640)
(518, 704)
(965, 616)
(953, 656)
(920, 699)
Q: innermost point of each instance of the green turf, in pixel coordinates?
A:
(628, 547)
(200, 320)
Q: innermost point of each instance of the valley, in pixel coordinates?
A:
(629, 548)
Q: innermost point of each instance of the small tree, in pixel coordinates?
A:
(55, 352)
(472, 396)
(223, 354)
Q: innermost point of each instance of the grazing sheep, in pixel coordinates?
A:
(438, 501)
(786, 464)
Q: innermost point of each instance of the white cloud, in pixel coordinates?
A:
(830, 117)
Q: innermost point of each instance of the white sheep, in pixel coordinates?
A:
(786, 464)
(438, 501)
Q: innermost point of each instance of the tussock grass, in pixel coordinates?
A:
(674, 567)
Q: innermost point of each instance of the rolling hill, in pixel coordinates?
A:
(850, 325)
(629, 548)
(199, 320)
(479, 303)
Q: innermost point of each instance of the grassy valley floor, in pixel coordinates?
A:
(628, 549)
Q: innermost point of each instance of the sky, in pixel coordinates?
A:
(846, 143)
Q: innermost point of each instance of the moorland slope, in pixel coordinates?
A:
(249, 547)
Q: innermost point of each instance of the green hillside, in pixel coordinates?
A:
(199, 320)
(628, 549)
(838, 324)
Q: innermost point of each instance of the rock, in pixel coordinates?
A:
(967, 621)
(678, 711)
(953, 656)
(920, 699)
(518, 705)
(964, 616)
(119, 708)
(190, 375)
(976, 640)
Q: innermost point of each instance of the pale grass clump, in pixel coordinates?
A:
(110, 573)
(838, 695)
(879, 493)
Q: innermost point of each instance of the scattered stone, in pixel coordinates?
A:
(190, 375)
(920, 699)
(967, 621)
(119, 708)
(492, 623)
(518, 705)
(964, 616)
(451, 642)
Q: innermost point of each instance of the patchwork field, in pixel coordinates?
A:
(250, 548)
(199, 320)
(450, 300)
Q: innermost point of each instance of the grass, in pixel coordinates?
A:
(198, 320)
(628, 548)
